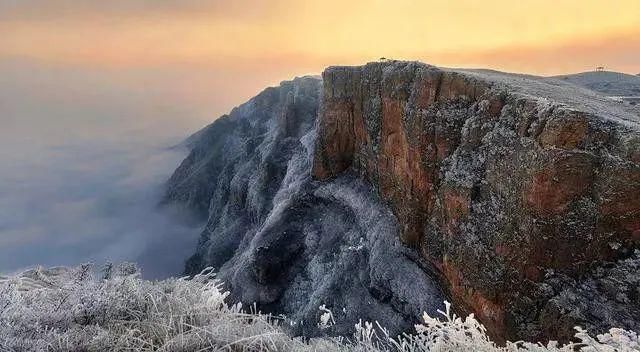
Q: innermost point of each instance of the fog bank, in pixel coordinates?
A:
(84, 155)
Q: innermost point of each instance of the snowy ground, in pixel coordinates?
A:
(561, 91)
(606, 82)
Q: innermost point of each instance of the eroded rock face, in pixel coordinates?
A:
(286, 242)
(516, 197)
(497, 180)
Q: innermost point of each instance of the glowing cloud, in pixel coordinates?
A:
(311, 34)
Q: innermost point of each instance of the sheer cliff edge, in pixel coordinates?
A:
(381, 189)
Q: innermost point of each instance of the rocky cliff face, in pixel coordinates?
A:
(289, 243)
(500, 182)
(517, 197)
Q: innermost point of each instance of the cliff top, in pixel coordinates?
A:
(560, 91)
(544, 89)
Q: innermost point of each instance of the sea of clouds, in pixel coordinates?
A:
(84, 155)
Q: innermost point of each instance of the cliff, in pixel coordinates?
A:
(286, 242)
(517, 197)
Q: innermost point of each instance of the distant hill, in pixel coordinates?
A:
(606, 82)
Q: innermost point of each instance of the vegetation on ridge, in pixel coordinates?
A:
(75, 309)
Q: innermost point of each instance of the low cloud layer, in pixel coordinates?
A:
(83, 158)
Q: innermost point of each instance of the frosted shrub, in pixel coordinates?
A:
(73, 310)
(326, 318)
(452, 333)
(81, 310)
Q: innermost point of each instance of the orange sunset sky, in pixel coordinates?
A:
(278, 39)
(537, 36)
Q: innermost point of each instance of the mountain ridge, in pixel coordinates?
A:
(468, 183)
(606, 82)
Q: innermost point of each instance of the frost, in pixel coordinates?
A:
(75, 309)
(360, 246)
(326, 318)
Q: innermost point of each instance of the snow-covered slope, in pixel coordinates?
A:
(583, 92)
(606, 82)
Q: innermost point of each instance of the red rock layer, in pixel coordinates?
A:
(492, 187)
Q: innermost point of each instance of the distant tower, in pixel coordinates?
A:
(599, 68)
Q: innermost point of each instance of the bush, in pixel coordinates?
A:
(79, 309)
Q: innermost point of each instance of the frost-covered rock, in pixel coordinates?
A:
(286, 242)
(414, 183)
(495, 179)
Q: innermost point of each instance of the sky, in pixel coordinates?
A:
(513, 35)
(93, 94)
(273, 40)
